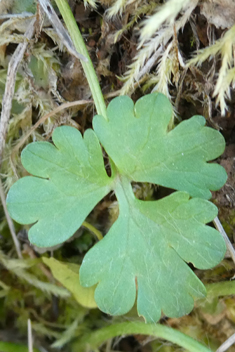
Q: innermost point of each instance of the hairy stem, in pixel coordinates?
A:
(96, 338)
(81, 48)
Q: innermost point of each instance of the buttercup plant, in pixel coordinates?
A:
(148, 247)
(150, 240)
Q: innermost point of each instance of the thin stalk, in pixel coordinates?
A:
(228, 343)
(81, 48)
(30, 337)
(92, 228)
(93, 340)
(217, 289)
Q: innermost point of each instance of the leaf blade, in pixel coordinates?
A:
(150, 243)
(138, 142)
(67, 187)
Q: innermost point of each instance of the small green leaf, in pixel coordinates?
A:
(137, 140)
(149, 243)
(68, 275)
(71, 181)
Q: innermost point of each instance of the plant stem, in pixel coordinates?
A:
(92, 228)
(217, 289)
(96, 338)
(81, 48)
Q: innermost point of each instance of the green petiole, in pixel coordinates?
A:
(93, 340)
(81, 48)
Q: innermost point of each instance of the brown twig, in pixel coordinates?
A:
(30, 337)
(10, 222)
(229, 245)
(227, 344)
(60, 30)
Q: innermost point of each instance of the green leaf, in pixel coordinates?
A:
(68, 275)
(71, 181)
(137, 140)
(147, 248)
(14, 347)
(148, 244)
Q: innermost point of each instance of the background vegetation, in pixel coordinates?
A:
(184, 49)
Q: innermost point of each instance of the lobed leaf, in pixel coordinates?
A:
(147, 246)
(71, 180)
(137, 140)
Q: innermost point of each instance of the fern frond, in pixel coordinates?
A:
(166, 13)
